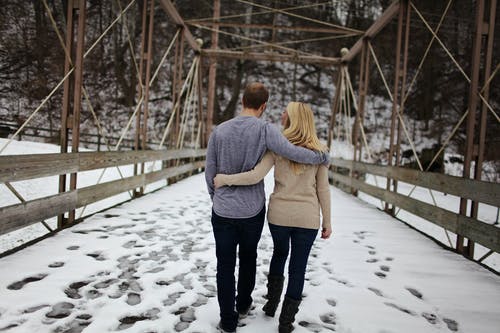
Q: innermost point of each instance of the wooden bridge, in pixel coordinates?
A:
(180, 152)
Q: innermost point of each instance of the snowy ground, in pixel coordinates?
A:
(149, 266)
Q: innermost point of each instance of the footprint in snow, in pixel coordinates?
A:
(430, 317)
(72, 290)
(56, 264)
(313, 327)
(76, 326)
(415, 292)
(400, 308)
(60, 310)
(20, 284)
(129, 321)
(172, 298)
(328, 318)
(201, 300)
(133, 299)
(34, 309)
(376, 291)
(97, 256)
(452, 324)
(331, 302)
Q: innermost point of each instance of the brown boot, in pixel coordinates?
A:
(274, 289)
(287, 317)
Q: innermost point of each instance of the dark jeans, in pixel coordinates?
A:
(230, 233)
(302, 240)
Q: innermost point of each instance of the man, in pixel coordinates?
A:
(238, 212)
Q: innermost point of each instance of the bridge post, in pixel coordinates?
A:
(335, 105)
(212, 71)
(146, 56)
(364, 75)
(177, 83)
(398, 92)
(70, 116)
(475, 151)
(201, 124)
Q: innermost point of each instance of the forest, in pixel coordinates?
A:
(32, 63)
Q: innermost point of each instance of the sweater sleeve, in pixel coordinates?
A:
(276, 142)
(323, 191)
(211, 164)
(250, 177)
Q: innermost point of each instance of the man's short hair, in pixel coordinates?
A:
(255, 95)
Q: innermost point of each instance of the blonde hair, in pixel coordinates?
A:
(301, 131)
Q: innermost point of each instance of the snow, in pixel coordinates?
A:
(149, 265)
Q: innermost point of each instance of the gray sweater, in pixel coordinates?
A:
(237, 145)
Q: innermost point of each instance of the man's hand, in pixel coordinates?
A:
(219, 180)
(326, 159)
(326, 232)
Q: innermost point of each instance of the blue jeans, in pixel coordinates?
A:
(230, 233)
(302, 240)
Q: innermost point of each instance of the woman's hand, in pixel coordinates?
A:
(326, 232)
(219, 180)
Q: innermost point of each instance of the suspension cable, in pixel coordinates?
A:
(257, 14)
(108, 28)
(419, 67)
(454, 61)
(254, 40)
(359, 32)
(295, 41)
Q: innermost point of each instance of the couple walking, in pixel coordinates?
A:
(234, 179)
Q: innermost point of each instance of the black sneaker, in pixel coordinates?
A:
(223, 330)
(244, 313)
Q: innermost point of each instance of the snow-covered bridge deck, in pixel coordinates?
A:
(149, 266)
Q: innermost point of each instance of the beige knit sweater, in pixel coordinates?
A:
(296, 199)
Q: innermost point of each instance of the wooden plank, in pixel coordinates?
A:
(480, 232)
(172, 172)
(21, 215)
(271, 56)
(20, 167)
(23, 167)
(91, 161)
(476, 190)
(94, 193)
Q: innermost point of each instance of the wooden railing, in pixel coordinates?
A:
(478, 191)
(23, 167)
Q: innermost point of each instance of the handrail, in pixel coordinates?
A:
(474, 229)
(23, 167)
(475, 190)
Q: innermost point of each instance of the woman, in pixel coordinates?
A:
(294, 210)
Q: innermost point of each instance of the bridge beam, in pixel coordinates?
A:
(277, 57)
(372, 31)
(175, 16)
